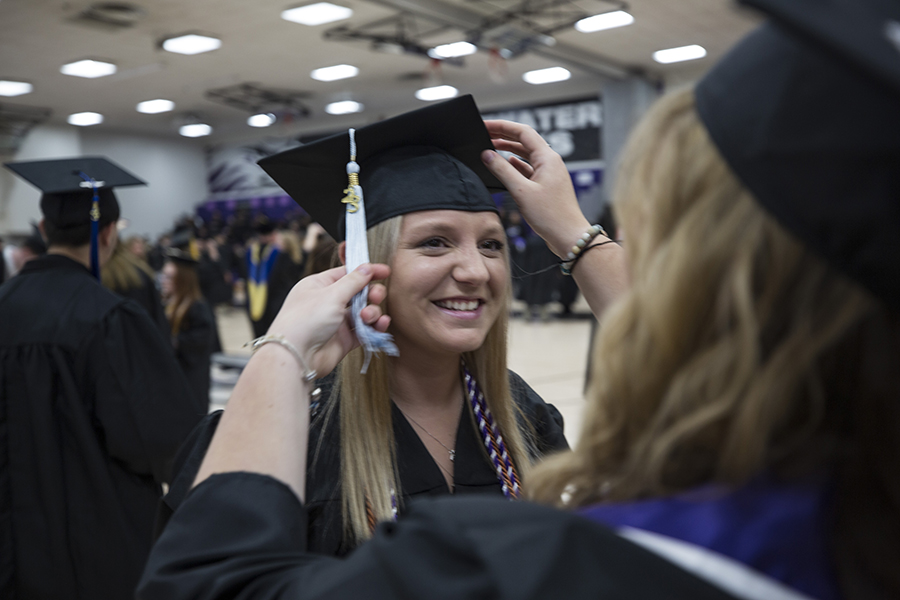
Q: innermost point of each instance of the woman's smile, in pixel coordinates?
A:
(461, 308)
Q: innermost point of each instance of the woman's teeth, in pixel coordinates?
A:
(468, 305)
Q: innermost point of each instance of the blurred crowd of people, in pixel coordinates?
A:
(250, 261)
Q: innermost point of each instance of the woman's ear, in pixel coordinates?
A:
(342, 252)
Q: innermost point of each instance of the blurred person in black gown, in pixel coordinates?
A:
(192, 326)
(92, 404)
(130, 277)
(270, 276)
(212, 274)
(744, 426)
(539, 277)
(293, 246)
(156, 256)
(32, 247)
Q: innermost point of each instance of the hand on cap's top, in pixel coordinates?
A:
(315, 317)
(541, 187)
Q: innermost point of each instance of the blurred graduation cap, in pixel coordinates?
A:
(77, 192)
(35, 242)
(263, 225)
(806, 111)
(427, 159)
(181, 248)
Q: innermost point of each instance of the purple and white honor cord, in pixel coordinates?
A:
(493, 440)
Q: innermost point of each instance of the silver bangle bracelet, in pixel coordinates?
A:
(309, 375)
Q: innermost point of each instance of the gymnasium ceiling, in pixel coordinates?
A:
(258, 47)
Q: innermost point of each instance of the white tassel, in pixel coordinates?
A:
(357, 252)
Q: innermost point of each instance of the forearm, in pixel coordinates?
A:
(265, 427)
(601, 276)
(600, 272)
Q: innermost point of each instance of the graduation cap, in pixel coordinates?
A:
(427, 159)
(77, 192)
(181, 247)
(806, 111)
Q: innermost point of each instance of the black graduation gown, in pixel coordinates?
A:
(538, 282)
(211, 276)
(194, 346)
(419, 475)
(93, 407)
(147, 296)
(244, 535)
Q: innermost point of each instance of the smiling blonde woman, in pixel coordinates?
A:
(445, 416)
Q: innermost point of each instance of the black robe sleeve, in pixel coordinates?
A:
(544, 419)
(142, 400)
(243, 535)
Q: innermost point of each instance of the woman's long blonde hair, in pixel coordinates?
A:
(122, 271)
(714, 366)
(368, 457)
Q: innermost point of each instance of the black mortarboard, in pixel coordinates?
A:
(35, 241)
(77, 191)
(427, 159)
(263, 225)
(181, 247)
(806, 111)
(67, 195)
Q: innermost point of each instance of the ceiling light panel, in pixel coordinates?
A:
(452, 50)
(90, 69)
(195, 130)
(682, 53)
(438, 92)
(609, 20)
(344, 107)
(85, 119)
(191, 43)
(550, 75)
(152, 107)
(14, 88)
(317, 14)
(334, 73)
(261, 120)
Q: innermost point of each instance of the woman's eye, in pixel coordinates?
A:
(493, 245)
(434, 242)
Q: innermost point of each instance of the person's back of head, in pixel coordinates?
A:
(737, 353)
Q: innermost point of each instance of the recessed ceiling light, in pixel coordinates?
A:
(85, 119)
(261, 120)
(88, 68)
(549, 75)
(191, 43)
(344, 107)
(452, 50)
(195, 130)
(317, 14)
(152, 107)
(438, 92)
(334, 73)
(673, 55)
(609, 20)
(14, 88)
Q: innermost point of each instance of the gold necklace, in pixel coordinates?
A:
(450, 451)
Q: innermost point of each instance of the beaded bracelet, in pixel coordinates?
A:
(309, 375)
(574, 254)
